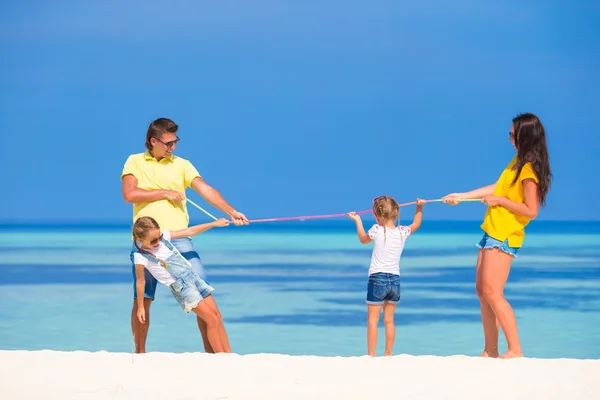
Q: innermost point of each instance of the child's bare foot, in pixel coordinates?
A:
(489, 353)
(512, 354)
(387, 354)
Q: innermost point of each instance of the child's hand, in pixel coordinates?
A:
(222, 222)
(421, 202)
(141, 315)
(354, 216)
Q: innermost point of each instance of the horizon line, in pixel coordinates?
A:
(22, 223)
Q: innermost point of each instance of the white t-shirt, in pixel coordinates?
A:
(156, 269)
(387, 248)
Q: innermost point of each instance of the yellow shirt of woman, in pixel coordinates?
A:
(500, 223)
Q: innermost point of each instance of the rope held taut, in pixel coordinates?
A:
(305, 217)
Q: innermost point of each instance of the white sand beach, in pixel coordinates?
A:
(102, 375)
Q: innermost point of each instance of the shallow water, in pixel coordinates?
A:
(299, 288)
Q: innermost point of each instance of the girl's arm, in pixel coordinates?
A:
(530, 206)
(362, 235)
(417, 218)
(196, 229)
(140, 283)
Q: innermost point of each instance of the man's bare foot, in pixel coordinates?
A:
(489, 353)
(512, 354)
(387, 354)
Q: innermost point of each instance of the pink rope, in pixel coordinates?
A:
(329, 215)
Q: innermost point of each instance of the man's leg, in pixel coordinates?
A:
(139, 330)
(186, 248)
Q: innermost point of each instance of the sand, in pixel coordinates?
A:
(102, 375)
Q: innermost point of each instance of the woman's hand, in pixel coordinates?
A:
(453, 198)
(493, 200)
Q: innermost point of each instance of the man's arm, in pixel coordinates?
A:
(133, 194)
(213, 196)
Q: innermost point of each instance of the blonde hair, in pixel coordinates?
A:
(385, 209)
(141, 227)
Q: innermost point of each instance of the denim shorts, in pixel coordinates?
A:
(186, 248)
(488, 242)
(189, 290)
(383, 288)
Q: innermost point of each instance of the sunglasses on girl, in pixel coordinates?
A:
(153, 242)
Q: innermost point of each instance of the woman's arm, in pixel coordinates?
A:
(454, 198)
(530, 206)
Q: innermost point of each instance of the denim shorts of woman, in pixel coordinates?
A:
(488, 242)
(383, 288)
(188, 289)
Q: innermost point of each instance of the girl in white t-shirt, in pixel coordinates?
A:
(383, 288)
(156, 253)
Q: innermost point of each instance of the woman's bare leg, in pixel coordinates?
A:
(488, 317)
(495, 274)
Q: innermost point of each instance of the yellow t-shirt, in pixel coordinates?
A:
(500, 223)
(172, 173)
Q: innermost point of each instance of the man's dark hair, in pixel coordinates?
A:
(157, 128)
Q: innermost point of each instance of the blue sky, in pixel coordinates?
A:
(295, 108)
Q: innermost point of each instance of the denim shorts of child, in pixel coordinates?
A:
(189, 290)
(383, 288)
(488, 242)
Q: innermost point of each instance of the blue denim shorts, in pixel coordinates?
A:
(186, 248)
(488, 242)
(383, 288)
(189, 290)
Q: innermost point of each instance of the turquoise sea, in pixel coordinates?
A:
(299, 288)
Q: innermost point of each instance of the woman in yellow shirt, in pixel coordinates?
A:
(512, 201)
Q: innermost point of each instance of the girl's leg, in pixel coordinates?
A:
(202, 326)
(488, 317)
(212, 317)
(222, 332)
(495, 271)
(390, 328)
(372, 322)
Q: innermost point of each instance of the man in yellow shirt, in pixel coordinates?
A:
(155, 182)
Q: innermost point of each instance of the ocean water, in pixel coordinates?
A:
(299, 288)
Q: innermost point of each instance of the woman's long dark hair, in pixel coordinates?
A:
(530, 141)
